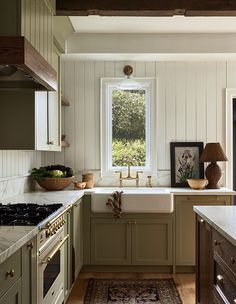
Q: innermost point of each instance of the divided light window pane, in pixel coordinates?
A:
(129, 127)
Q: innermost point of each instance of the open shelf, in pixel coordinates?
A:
(64, 102)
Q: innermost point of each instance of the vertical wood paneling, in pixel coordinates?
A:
(180, 110)
(190, 105)
(191, 124)
(89, 112)
(211, 105)
(170, 123)
(162, 152)
(201, 100)
(79, 116)
(220, 107)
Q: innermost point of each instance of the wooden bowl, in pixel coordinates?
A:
(54, 184)
(79, 185)
(197, 183)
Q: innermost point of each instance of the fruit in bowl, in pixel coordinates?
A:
(54, 177)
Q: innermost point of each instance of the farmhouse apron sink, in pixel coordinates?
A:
(135, 200)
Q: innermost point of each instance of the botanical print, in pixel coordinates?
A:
(187, 163)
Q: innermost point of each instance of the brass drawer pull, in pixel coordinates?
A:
(220, 278)
(216, 243)
(30, 246)
(233, 261)
(55, 250)
(10, 273)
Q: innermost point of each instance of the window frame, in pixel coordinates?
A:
(107, 84)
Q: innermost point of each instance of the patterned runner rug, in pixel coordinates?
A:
(161, 291)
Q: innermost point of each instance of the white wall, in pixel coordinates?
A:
(190, 98)
(14, 171)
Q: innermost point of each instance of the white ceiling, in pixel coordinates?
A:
(176, 24)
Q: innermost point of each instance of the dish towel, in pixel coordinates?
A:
(115, 202)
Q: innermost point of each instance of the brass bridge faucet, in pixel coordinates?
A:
(129, 177)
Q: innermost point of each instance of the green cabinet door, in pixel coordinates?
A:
(13, 295)
(185, 224)
(110, 242)
(68, 253)
(152, 242)
(29, 272)
(77, 237)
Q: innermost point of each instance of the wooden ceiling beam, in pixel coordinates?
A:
(146, 8)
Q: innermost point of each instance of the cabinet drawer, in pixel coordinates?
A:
(225, 250)
(10, 271)
(224, 283)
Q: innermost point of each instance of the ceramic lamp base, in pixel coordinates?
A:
(213, 174)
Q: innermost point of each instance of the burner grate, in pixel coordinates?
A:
(23, 214)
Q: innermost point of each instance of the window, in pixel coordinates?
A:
(128, 126)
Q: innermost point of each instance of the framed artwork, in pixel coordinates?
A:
(185, 162)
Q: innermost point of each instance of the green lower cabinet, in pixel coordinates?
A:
(185, 224)
(131, 242)
(152, 242)
(77, 246)
(13, 295)
(29, 272)
(110, 242)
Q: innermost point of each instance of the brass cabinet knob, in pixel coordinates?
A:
(50, 142)
(135, 222)
(30, 246)
(234, 301)
(220, 278)
(216, 243)
(10, 273)
(129, 222)
(233, 261)
(202, 221)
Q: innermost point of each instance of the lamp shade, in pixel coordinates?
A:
(213, 152)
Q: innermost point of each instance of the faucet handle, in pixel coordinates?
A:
(137, 173)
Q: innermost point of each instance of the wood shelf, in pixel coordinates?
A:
(65, 144)
(65, 102)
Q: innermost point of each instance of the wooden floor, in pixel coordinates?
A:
(185, 284)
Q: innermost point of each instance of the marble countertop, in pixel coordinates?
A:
(13, 238)
(175, 191)
(221, 218)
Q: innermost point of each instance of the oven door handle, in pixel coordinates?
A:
(55, 250)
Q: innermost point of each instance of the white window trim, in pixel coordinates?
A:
(105, 126)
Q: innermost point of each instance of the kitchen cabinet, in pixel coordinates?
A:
(13, 295)
(131, 241)
(29, 272)
(26, 122)
(32, 19)
(185, 224)
(68, 254)
(204, 262)
(77, 237)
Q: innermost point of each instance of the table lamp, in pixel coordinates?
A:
(212, 153)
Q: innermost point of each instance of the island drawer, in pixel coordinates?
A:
(10, 271)
(224, 249)
(224, 283)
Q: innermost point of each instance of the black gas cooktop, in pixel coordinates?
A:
(25, 214)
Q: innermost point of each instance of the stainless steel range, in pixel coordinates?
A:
(50, 241)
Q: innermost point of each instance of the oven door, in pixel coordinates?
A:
(51, 272)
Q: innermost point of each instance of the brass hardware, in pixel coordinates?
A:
(234, 300)
(216, 243)
(58, 216)
(55, 250)
(202, 221)
(75, 205)
(10, 273)
(30, 246)
(129, 222)
(129, 177)
(232, 260)
(220, 278)
(149, 181)
(50, 142)
(135, 222)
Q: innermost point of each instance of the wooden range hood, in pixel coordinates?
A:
(29, 68)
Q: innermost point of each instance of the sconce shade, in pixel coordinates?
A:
(213, 152)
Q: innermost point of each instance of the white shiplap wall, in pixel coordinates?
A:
(14, 171)
(190, 99)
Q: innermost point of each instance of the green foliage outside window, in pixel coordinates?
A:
(128, 121)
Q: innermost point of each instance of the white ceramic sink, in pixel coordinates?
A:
(135, 200)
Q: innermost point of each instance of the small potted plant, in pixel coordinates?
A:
(54, 177)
